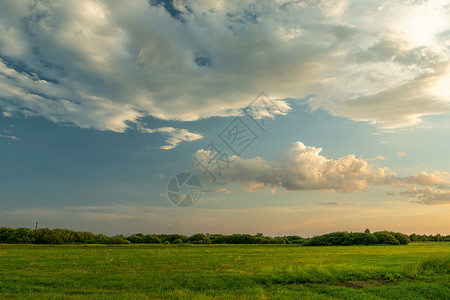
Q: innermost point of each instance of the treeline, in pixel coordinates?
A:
(65, 236)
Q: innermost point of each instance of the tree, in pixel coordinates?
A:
(151, 239)
(199, 238)
(117, 239)
(21, 236)
(401, 238)
(414, 237)
(5, 233)
(134, 239)
(172, 237)
(39, 234)
(385, 237)
(52, 237)
(359, 238)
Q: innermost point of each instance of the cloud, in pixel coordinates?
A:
(218, 190)
(302, 167)
(9, 137)
(103, 64)
(428, 196)
(401, 153)
(330, 203)
(174, 136)
(160, 176)
(436, 178)
(378, 157)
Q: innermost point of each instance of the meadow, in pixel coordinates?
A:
(146, 271)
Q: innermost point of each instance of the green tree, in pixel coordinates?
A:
(385, 237)
(21, 236)
(401, 238)
(5, 234)
(151, 239)
(199, 238)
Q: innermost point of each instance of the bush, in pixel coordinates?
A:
(294, 239)
(65, 236)
(281, 240)
(21, 236)
(402, 238)
(199, 238)
(330, 239)
(5, 233)
(385, 237)
(118, 239)
(359, 238)
(134, 239)
(150, 239)
(172, 237)
(52, 238)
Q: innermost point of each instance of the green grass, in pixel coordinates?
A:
(417, 271)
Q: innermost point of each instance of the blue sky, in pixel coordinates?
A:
(102, 102)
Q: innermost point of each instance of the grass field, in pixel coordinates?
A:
(416, 271)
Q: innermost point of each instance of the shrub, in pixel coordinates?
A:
(150, 239)
(402, 238)
(294, 239)
(134, 239)
(199, 238)
(330, 239)
(385, 237)
(172, 237)
(52, 238)
(21, 236)
(118, 239)
(359, 238)
(5, 233)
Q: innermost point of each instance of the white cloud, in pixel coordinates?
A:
(102, 64)
(428, 196)
(401, 153)
(174, 136)
(9, 137)
(436, 178)
(302, 167)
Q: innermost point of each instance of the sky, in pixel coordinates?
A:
(187, 116)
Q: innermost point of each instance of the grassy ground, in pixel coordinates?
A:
(417, 271)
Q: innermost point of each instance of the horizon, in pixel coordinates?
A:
(188, 116)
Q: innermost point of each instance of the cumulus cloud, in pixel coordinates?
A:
(425, 179)
(428, 196)
(104, 64)
(302, 167)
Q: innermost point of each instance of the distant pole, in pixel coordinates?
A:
(36, 226)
